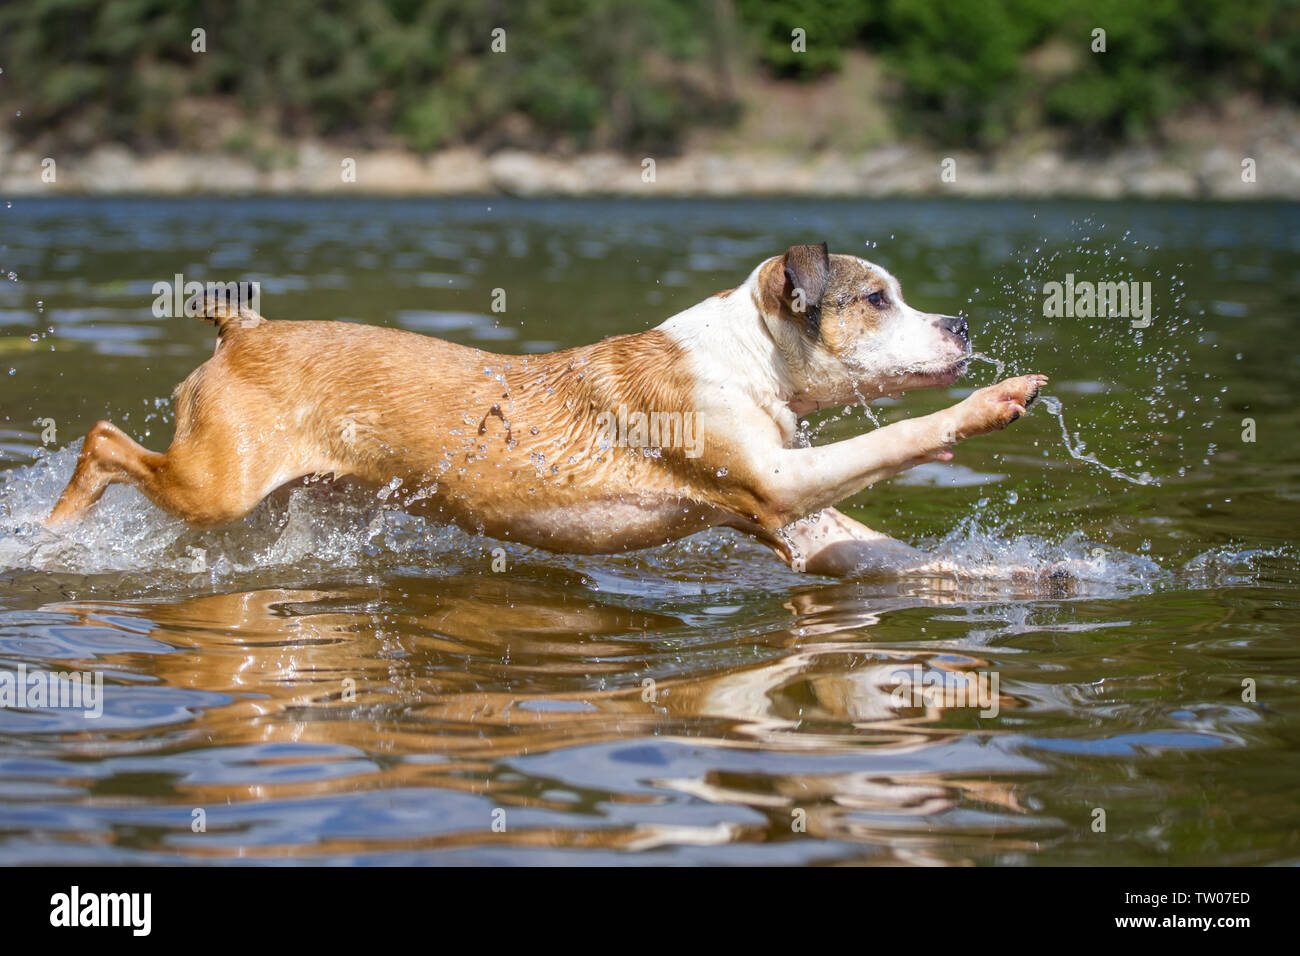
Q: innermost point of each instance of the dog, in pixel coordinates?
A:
(631, 442)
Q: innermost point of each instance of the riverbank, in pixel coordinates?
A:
(1215, 172)
(792, 139)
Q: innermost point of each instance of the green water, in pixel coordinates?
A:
(331, 682)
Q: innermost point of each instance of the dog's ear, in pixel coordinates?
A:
(807, 273)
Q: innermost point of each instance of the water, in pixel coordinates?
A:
(332, 680)
(999, 366)
(1075, 447)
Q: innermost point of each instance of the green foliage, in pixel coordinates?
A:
(962, 66)
(629, 75)
(589, 70)
(961, 63)
(830, 26)
(1164, 54)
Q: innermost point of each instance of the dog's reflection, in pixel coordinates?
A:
(436, 681)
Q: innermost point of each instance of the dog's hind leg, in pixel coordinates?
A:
(107, 456)
(237, 438)
(188, 481)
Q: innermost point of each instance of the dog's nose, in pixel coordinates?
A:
(956, 325)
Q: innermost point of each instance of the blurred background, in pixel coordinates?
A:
(726, 96)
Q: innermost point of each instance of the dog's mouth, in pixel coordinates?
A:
(958, 368)
(867, 387)
(946, 374)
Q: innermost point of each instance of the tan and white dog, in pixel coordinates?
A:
(631, 442)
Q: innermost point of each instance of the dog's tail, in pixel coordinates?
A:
(227, 314)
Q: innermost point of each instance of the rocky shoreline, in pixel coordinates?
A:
(1214, 172)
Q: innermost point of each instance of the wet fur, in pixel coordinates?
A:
(510, 446)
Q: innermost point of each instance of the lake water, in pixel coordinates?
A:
(329, 681)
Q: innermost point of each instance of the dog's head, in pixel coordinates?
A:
(845, 333)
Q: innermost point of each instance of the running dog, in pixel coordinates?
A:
(631, 442)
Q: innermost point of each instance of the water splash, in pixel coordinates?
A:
(1075, 448)
(1159, 387)
(973, 552)
(999, 366)
(807, 432)
(323, 528)
(309, 526)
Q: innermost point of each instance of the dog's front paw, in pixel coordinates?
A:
(997, 406)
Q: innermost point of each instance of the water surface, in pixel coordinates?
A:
(329, 681)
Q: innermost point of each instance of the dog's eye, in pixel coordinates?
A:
(877, 299)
